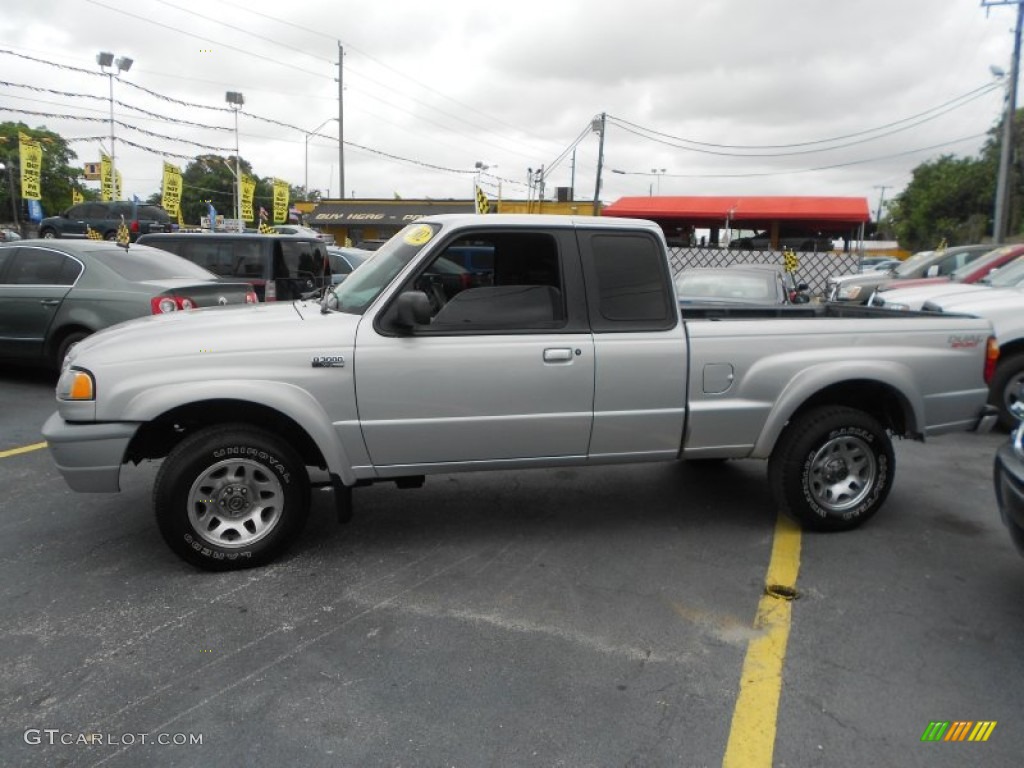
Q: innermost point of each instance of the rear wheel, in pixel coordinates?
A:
(231, 496)
(1007, 388)
(832, 468)
(112, 235)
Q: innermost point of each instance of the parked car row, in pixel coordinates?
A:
(53, 295)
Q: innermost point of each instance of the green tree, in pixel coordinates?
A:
(953, 198)
(948, 198)
(57, 176)
(211, 178)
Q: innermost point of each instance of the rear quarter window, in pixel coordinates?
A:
(632, 284)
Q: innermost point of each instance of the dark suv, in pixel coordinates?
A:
(105, 218)
(279, 267)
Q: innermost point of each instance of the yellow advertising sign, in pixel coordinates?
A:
(280, 201)
(106, 190)
(76, 196)
(170, 198)
(248, 192)
(106, 184)
(31, 166)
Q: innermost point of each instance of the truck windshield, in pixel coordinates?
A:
(366, 283)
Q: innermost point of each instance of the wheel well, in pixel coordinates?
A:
(58, 337)
(156, 438)
(886, 404)
(1011, 348)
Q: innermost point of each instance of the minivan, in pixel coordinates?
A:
(279, 267)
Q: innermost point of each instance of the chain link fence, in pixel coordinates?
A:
(814, 268)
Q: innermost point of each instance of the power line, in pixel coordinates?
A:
(825, 167)
(973, 94)
(377, 61)
(210, 40)
(625, 126)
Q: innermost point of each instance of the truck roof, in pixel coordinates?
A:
(540, 220)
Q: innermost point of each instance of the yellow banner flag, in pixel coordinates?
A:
(76, 196)
(280, 201)
(106, 183)
(248, 192)
(170, 198)
(31, 166)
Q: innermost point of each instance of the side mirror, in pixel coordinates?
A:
(413, 309)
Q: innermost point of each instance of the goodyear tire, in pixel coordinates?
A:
(832, 468)
(231, 496)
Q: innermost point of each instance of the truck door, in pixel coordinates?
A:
(640, 346)
(504, 372)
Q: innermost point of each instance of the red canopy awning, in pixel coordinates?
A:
(821, 213)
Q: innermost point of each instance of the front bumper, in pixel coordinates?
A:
(1008, 475)
(89, 456)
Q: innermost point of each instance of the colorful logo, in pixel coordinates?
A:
(958, 730)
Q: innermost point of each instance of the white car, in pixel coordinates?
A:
(914, 297)
(1004, 308)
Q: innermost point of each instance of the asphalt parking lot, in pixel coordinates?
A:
(592, 617)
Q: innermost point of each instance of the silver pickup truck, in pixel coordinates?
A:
(561, 343)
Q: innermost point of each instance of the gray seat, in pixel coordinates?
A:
(502, 305)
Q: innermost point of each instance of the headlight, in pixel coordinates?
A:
(849, 292)
(76, 384)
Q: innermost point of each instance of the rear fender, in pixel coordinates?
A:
(811, 381)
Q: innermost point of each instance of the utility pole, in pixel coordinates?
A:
(881, 197)
(598, 125)
(341, 125)
(1006, 150)
(572, 179)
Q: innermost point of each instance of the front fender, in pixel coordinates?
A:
(294, 402)
(810, 381)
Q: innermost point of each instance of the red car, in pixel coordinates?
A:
(971, 272)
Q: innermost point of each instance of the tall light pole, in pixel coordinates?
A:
(123, 64)
(305, 184)
(659, 172)
(236, 100)
(597, 125)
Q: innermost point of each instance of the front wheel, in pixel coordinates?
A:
(231, 496)
(832, 468)
(47, 234)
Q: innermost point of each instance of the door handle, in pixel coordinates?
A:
(49, 302)
(557, 355)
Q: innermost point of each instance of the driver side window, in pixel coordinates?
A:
(495, 281)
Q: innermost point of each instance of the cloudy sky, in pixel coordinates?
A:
(724, 96)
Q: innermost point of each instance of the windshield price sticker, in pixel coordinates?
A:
(419, 235)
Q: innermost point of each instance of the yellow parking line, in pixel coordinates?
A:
(23, 449)
(752, 734)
